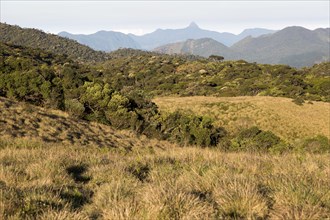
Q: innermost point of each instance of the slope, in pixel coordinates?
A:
(103, 40)
(294, 46)
(201, 47)
(69, 169)
(38, 39)
(25, 121)
(163, 75)
(279, 115)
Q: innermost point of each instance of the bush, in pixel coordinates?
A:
(74, 108)
(298, 101)
(191, 130)
(318, 144)
(254, 139)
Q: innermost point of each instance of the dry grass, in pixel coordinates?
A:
(53, 126)
(118, 175)
(39, 180)
(279, 115)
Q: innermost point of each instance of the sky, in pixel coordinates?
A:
(140, 17)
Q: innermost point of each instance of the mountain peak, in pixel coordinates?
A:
(193, 25)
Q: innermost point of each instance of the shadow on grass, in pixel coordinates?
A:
(77, 171)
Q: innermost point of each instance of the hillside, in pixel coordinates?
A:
(54, 81)
(202, 47)
(163, 75)
(64, 168)
(25, 121)
(294, 46)
(103, 40)
(34, 38)
(279, 115)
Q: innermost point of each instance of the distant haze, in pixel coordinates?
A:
(140, 17)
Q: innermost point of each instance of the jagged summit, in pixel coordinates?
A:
(193, 25)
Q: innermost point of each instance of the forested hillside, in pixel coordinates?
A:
(34, 38)
(54, 81)
(175, 75)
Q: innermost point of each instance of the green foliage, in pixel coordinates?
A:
(191, 130)
(37, 39)
(318, 144)
(298, 101)
(38, 77)
(115, 92)
(74, 107)
(254, 139)
(96, 95)
(216, 58)
(175, 75)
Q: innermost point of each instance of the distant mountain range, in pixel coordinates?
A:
(104, 40)
(295, 46)
(161, 37)
(110, 40)
(201, 47)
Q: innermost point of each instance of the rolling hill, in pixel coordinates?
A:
(103, 40)
(276, 114)
(34, 38)
(294, 46)
(25, 121)
(201, 47)
(57, 167)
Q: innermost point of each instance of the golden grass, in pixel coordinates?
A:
(109, 174)
(43, 181)
(279, 115)
(53, 126)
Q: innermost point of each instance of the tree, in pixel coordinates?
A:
(216, 58)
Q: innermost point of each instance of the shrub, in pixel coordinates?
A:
(318, 144)
(74, 107)
(191, 129)
(254, 139)
(298, 101)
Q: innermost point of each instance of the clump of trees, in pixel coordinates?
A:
(216, 58)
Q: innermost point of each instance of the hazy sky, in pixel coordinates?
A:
(145, 16)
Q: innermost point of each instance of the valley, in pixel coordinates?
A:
(135, 134)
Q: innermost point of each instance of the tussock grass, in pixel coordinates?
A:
(41, 180)
(118, 175)
(279, 115)
(21, 120)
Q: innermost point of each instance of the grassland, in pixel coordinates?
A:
(109, 174)
(158, 181)
(279, 115)
(21, 120)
